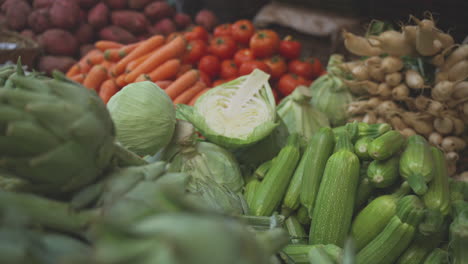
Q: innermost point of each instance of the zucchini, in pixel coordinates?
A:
(332, 214)
(250, 190)
(410, 210)
(303, 216)
(437, 196)
(297, 234)
(459, 238)
(416, 164)
(384, 173)
(372, 130)
(375, 216)
(361, 148)
(318, 151)
(291, 198)
(298, 253)
(388, 244)
(437, 256)
(386, 145)
(365, 187)
(271, 190)
(262, 170)
(343, 141)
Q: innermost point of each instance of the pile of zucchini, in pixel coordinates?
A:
(364, 193)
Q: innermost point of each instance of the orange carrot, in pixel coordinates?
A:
(144, 48)
(83, 62)
(163, 84)
(142, 78)
(134, 63)
(79, 78)
(182, 83)
(188, 94)
(194, 99)
(165, 71)
(96, 76)
(74, 70)
(183, 69)
(119, 53)
(108, 89)
(95, 58)
(120, 81)
(107, 44)
(171, 50)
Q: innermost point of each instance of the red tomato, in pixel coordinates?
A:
(301, 67)
(195, 50)
(317, 67)
(288, 82)
(210, 64)
(248, 66)
(264, 43)
(277, 65)
(223, 47)
(242, 30)
(204, 77)
(289, 48)
(229, 69)
(218, 82)
(222, 30)
(196, 32)
(275, 94)
(243, 55)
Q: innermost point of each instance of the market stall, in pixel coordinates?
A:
(264, 132)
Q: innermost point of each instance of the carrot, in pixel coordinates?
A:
(85, 68)
(119, 53)
(83, 62)
(134, 63)
(95, 58)
(79, 78)
(108, 89)
(165, 71)
(194, 99)
(173, 49)
(95, 77)
(188, 94)
(144, 48)
(163, 84)
(142, 78)
(74, 70)
(107, 44)
(120, 81)
(183, 69)
(182, 83)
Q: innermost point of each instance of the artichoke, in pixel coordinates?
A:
(57, 136)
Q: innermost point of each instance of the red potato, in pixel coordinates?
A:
(138, 4)
(165, 27)
(7, 3)
(98, 16)
(85, 49)
(206, 19)
(39, 20)
(17, 14)
(42, 3)
(58, 42)
(118, 34)
(116, 4)
(133, 21)
(49, 63)
(85, 33)
(2, 20)
(65, 14)
(86, 4)
(159, 10)
(182, 20)
(28, 33)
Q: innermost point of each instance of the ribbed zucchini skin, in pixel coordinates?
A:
(416, 164)
(437, 256)
(421, 247)
(384, 173)
(437, 196)
(361, 148)
(386, 145)
(297, 234)
(332, 214)
(316, 155)
(272, 189)
(388, 245)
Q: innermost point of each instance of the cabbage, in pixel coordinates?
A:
(202, 160)
(299, 116)
(330, 95)
(144, 117)
(235, 114)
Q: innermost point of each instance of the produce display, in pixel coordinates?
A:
(67, 29)
(221, 144)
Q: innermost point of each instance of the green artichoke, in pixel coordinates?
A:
(55, 135)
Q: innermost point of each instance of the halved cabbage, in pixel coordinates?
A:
(235, 114)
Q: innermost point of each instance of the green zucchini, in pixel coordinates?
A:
(384, 173)
(386, 145)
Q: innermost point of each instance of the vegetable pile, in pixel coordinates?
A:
(66, 29)
(414, 79)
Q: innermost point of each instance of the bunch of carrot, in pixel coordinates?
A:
(111, 66)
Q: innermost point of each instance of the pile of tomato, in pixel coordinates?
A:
(236, 49)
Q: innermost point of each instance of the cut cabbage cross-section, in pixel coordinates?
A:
(235, 114)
